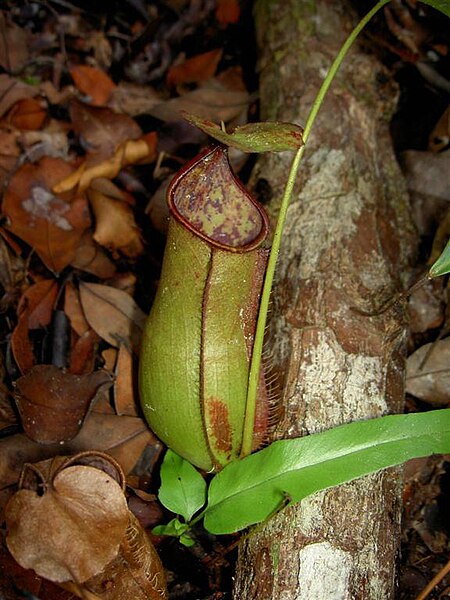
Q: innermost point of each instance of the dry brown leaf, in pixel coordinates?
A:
(109, 356)
(232, 78)
(81, 505)
(13, 45)
(91, 257)
(56, 95)
(228, 12)
(426, 306)
(195, 69)
(13, 275)
(101, 130)
(124, 390)
(113, 314)
(125, 281)
(115, 226)
(28, 113)
(52, 225)
(427, 173)
(158, 209)
(53, 404)
(128, 454)
(12, 90)
(133, 99)
(9, 153)
(428, 373)
(122, 437)
(72, 308)
(93, 82)
(34, 311)
(128, 153)
(136, 573)
(212, 101)
(83, 353)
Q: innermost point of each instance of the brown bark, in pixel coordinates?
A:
(346, 246)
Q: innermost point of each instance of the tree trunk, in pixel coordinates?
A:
(346, 248)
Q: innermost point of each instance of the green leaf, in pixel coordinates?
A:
(248, 491)
(174, 528)
(442, 265)
(183, 489)
(186, 540)
(254, 137)
(442, 5)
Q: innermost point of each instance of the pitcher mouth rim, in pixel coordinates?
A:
(178, 215)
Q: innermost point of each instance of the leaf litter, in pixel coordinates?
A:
(91, 132)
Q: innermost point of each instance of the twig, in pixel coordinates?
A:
(434, 582)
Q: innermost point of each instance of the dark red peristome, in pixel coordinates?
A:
(209, 203)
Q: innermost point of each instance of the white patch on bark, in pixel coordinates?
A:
(362, 397)
(327, 372)
(44, 205)
(324, 572)
(338, 208)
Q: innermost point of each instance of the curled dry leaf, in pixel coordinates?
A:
(69, 527)
(51, 224)
(428, 373)
(197, 68)
(53, 404)
(115, 226)
(93, 82)
(113, 314)
(135, 573)
(101, 130)
(128, 153)
(124, 438)
(118, 436)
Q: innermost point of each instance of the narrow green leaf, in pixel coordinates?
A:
(442, 5)
(442, 265)
(183, 489)
(253, 137)
(248, 491)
